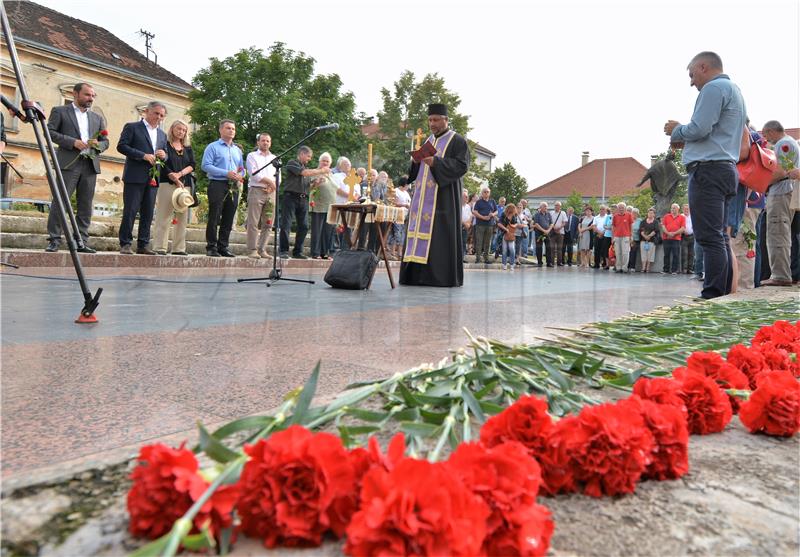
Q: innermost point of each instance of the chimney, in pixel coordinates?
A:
(584, 158)
(653, 159)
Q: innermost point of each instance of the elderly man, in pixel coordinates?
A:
(557, 234)
(142, 143)
(260, 191)
(712, 141)
(621, 232)
(294, 205)
(79, 134)
(224, 164)
(673, 225)
(434, 255)
(779, 213)
(485, 212)
(542, 226)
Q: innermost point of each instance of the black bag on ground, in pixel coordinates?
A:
(352, 269)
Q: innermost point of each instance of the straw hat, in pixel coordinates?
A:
(181, 199)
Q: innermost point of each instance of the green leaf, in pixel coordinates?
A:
(350, 397)
(559, 378)
(367, 415)
(472, 404)
(304, 400)
(433, 417)
(152, 549)
(225, 541)
(199, 541)
(213, 448)
(408, 397)
(419, 429)
(243, 424)
(488, 388)
(577, 365)
(407, 415)
(491, 407)
(350, 431)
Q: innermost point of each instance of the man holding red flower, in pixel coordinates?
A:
(81, 136)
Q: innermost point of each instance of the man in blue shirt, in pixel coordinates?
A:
(224, 165)
(712, 141)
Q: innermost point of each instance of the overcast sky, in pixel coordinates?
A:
(541, 81)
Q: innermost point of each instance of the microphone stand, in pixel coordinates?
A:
(35, 116)
(276, 273)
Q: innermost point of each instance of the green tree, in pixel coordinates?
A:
(405, 110)
(277, 92)
(505, 182)
(575, 200)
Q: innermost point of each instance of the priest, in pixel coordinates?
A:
(433, 253)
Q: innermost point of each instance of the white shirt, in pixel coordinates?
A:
(689, 230)
(402, 198)
(152, 132)
(83, 122)
(256, 160)
(599, 223)
(338, 179)
(559, 221)
(466, 213)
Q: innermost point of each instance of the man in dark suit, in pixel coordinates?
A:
(79, 134)
(142, 143)
(570, 234)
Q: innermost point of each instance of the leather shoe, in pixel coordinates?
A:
(126, 250)
(52, 246)
(145, 251)
(86, 249)
(212, 253)
(773, 282)
(225, 252)
(179, 253)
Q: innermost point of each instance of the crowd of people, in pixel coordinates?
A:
(729, 218)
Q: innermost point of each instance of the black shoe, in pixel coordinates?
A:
(225, 252)
(179, 253)
(212, 253)
(52, 246)
(550, 265)
(145, 251)
(284, 255)
(299, 256)
(86, 249)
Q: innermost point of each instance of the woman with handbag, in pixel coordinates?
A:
(176, 173)
(508, 224)
(648, 232)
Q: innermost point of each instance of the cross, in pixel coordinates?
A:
(352, 181)
(419, 137)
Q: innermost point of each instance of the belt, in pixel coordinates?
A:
(695, 164)
(300, 195)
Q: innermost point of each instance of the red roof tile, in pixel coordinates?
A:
(621, 177)
(36, 25)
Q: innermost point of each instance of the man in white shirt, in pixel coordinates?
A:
(260, 195)
(78, 132)
(557, 236)
(687, 242)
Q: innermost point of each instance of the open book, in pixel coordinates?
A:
(427, 150)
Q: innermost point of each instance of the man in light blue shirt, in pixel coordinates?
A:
(224, 165)
(712, 140)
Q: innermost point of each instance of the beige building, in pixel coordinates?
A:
(56, 51)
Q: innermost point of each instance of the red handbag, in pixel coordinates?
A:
(757, 169)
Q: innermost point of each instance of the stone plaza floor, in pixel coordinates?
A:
(176, 346)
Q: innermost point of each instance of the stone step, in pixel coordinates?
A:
(30, 232)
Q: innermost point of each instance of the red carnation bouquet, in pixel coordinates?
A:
(155, 172)
(92, 150)
(774, 407)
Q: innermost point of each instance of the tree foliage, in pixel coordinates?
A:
(505, 182)
(278, 93)
(405, 110)
(575, 200)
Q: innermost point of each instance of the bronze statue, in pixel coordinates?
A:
(664, 177)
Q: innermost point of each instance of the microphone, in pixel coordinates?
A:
(325, 127)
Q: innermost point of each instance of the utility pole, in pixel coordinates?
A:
(148, 49)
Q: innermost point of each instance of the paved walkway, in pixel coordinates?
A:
(173, 347)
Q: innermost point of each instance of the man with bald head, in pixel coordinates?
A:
(712, 141)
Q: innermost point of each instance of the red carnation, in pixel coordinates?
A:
(781, 334)
(165, 484)
(419, 508)
(526, 421)
(661, 390)
(507, 478)
(774, 407)
(312, 204)
(608, 447)
(785, 148)
(152, 182)
(725, 374)
(364, 459)
(708, 405)
(777, 359)
(751, 254)
(104, 133)
(295, 487)
(749, 361)
(667, 424)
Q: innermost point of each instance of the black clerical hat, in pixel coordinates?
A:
(440, 109)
